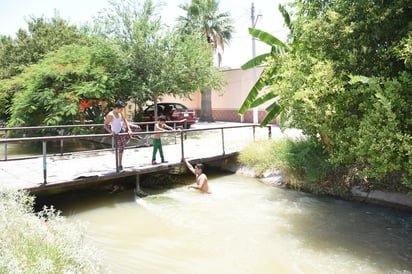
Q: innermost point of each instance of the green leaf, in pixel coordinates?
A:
(273, 111)
(258, 60)
(253, 93)
(267, 38)
(263, 99)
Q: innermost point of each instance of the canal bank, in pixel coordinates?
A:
(390, 199)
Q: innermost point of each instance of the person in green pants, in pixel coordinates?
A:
(157, 141)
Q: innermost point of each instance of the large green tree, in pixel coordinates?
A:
(216, 28)
(158, 60)
(348, 80)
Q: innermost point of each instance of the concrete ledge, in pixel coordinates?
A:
(389, 198)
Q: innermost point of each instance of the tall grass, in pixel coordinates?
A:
(303, 162)
(42, 242)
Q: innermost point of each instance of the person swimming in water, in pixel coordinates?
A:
(201, 178)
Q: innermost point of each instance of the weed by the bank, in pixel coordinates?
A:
(260, 156)
(42, 242)
(304, 163)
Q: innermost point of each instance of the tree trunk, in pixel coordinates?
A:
(206, 111)
(155, 109)
(325, 141)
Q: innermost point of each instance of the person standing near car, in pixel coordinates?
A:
(115, 123)
(157, 141)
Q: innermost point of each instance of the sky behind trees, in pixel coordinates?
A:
(14, 13)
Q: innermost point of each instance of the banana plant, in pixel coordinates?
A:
(267, 77)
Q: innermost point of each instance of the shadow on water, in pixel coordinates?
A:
(380, 235)
(111, 193)
(89, 200)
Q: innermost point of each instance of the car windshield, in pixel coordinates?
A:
(166, 107)
(152, 108)
(180, 107)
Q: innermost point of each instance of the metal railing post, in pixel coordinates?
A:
(223, 142)
(61, 133)
(5, 151)
(147, 137)
(174, 128)
(44, 163)
(5, 148)
(182, 147)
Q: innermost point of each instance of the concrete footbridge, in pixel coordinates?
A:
(54, 172)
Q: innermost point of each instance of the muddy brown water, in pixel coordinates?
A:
(245, 226)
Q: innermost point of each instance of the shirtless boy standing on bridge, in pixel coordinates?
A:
(201, 178)
(157, 141)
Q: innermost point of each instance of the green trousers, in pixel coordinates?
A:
(157, 145)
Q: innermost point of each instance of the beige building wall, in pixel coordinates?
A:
(226, 103)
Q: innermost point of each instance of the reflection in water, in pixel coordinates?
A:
(244, 227)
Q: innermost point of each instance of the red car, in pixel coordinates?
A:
(172, 112)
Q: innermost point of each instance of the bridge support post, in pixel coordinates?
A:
(138, 191)
(138, 183)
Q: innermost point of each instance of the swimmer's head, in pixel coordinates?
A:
(199, 166)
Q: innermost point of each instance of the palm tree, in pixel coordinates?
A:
(216, 28)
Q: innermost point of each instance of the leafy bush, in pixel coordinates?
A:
(352, 87)
(41, 242)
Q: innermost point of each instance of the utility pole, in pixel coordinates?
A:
(254, 21)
